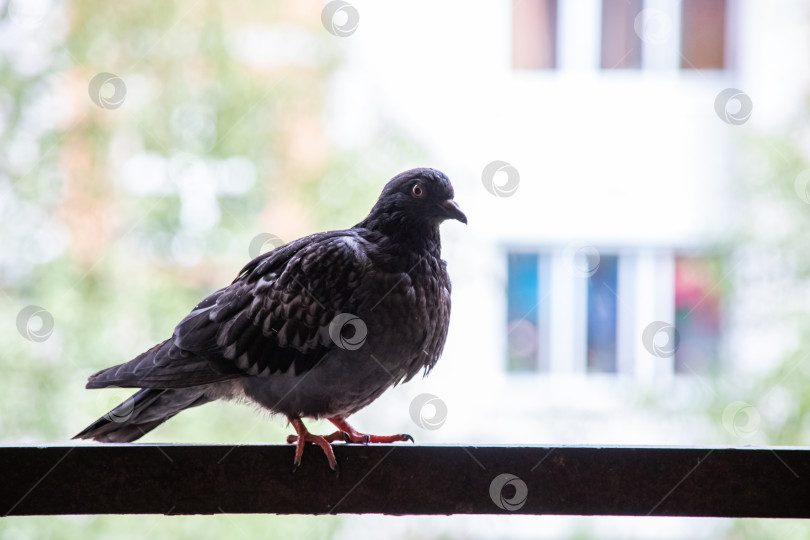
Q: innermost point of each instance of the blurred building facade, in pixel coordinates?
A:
(605, 112)
(593, 302)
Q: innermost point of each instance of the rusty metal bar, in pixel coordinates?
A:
(406, 479)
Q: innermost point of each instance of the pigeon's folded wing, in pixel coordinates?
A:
(275, 314)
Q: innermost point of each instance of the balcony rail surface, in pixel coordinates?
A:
(769, 482)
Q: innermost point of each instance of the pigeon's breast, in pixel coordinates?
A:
(396, 326)
(407, 322)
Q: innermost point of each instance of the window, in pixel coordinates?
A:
(534, 34)
(703, 34)
(592, 313)
(619, 34)
(527, 312)
(621, 46)
(602, 313)
(698, 297)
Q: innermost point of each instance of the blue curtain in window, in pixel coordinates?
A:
(523, 287)
(602, 312)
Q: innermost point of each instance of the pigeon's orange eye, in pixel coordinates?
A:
(418, 191)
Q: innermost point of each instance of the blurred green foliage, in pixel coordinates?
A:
(774, 209)
(117, 221)
(115, 250)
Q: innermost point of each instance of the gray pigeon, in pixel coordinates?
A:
(318, 328)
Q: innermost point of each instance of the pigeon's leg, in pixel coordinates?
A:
(350, 434)
(304, 437)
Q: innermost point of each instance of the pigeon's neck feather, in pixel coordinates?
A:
(404, 235)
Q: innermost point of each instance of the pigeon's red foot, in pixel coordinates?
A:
(351, 435)
(345, 433)
(304, 437)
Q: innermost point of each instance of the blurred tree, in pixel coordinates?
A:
(769, 403)
(146, 147)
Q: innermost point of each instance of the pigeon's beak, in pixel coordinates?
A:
(452, 211)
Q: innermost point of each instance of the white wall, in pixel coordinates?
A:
(637, 160)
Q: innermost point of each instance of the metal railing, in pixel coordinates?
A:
(406, 479)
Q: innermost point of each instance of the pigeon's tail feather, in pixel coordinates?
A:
(143, 412)
(163, 366)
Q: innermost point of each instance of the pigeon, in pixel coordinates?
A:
(316, 328)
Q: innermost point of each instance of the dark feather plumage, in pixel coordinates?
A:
(266, 336)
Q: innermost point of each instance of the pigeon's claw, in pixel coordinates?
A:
(332, 437)
(345, 433)
(354, 436)
(399, 437)
(304, 437)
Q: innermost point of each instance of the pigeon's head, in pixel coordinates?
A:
(416, 198)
